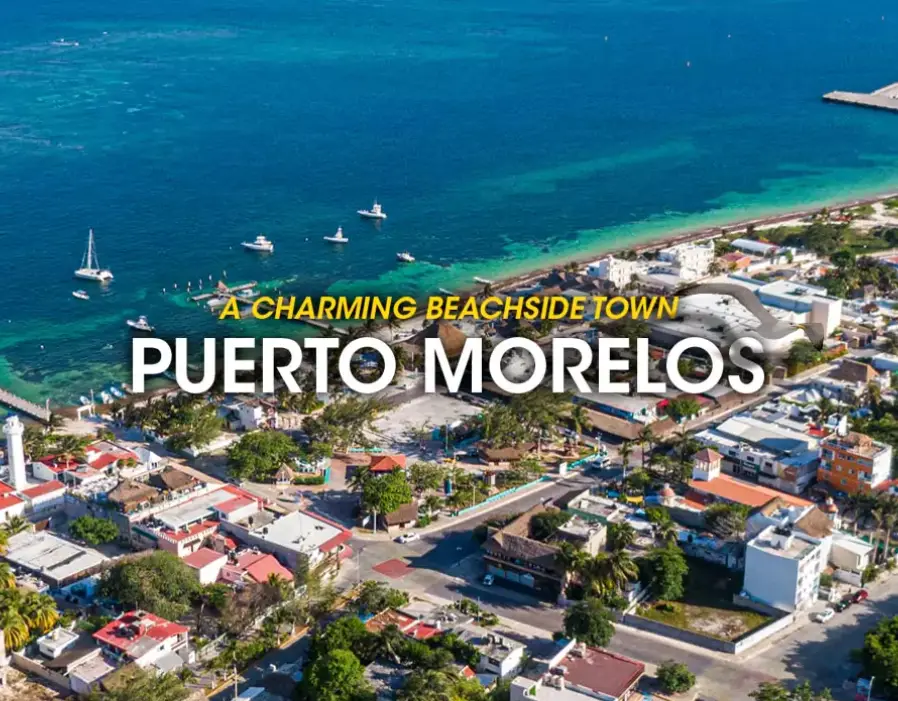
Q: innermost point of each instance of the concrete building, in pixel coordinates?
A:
(783, 566)
(253, 567)
(207, 564)
(617, 271)
(854, 462)
(582, 673)
(688, 261)
(44, 498)
(642, 410)
(757, 247)
(813, 303)
(69, 659)
(775, 455)
(10, 503)
(15, 449)
(147, 640)
(850, 554)
(51, 558)
(499, 655)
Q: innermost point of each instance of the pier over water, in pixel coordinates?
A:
(35, 411)
(883, 99)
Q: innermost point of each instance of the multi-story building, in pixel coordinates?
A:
(812, 303)
(617, 271)
(688, 261)
(854, 462)
(145, 639)
(777, 456)
(499, 655)
(783, 566)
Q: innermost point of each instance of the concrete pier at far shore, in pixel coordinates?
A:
(883, 99)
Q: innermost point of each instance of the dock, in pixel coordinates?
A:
(883, 99)
(223, 290)
(35, 411)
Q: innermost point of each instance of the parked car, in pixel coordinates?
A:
(860, 595)
(488, 580)
(842, 605)
(825, 615)
(407, 538)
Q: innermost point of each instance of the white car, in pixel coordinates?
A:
(408, 538)
(488, 580)
(825, 615)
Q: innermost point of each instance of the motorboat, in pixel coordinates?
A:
(260, 244)
(116, 392)
(90, 267)
(84, 400)
(338, 237)
(376, 212)
(405, 257)
(80, 294)
(105, 397)
(140, 325)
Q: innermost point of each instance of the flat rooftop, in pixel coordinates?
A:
(794, 549)
(197, 509)
(51, 556)
(301, 531)
(765, 434)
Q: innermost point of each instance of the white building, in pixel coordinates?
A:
(147, 640)
(617, 271)
(207, 564)
(813, 304)
(758, 247)
(783, 566)
(780, 457)
(885, 362)
(44, 497)
(499, 655)
(850, 554)
(15, 449)
(688, 261)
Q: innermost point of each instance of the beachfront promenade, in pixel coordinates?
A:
(35, 411)
(884, 99)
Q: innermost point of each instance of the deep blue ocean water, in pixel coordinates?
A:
(499, 135)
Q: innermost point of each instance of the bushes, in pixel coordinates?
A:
(308, 481)
(675, 677)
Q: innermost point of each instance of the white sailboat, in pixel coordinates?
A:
(90, 266)
(376, 212)
(338, 237)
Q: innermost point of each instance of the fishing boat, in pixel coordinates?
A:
(405, 257)
(338, 237)
(260, 244)
(90, 266)
(140, 325)
(80, 294)
(376, 212)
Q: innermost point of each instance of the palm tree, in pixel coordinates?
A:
(39, 611)
(626, 450)
(14, 526)
(825, 409)
(4, 539)
(621, 536)
(666, 532)
(571, 559)
(646, 438)
(70, 448)
(889, 520)
(392, 640)
(7, 578)
(855, 503)
(432, 503)
(36, 442)
(877, 513)
(621, 568)
(580, 420)
(15, 630)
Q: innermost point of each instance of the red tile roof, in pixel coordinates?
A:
(707, 455)
(7, 501)
(231, 505)
(203, 557)
(258, 566)
(125, 631)
(42, 489)
(422, 631)
(5, 489)
(193, 530)
(753, 495)
(387, 463)
(603, 672)
(390, 617)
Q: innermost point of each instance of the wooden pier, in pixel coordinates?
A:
(883, 99)
(221, 290)
(35, 411)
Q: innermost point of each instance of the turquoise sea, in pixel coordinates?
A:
(499, 134)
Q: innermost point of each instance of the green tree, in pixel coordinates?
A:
(620, 536)
(335, 676)
(440, 685)
(426, 476)
(94, 531)
(386, 493)
(777, 691)
(346, 633)
(675, 677)
(726, 520)
(589, 622)
(159, 583)
(136, 684)
(259, 455)
(879, 655)
(375, 597)
(667, 570)
(546, 523)
(683, 408)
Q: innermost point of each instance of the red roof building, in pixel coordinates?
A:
(584, 672)
(735, 491)
(142, 637)
(387, 463)
(254, 567)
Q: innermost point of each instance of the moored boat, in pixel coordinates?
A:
(338, 237)
(80, 294)
(140, 325)
(376, 212)
(261, 244)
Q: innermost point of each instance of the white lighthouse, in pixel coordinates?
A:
(15, 450)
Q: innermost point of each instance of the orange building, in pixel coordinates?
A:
(854, 462)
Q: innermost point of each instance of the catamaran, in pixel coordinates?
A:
(338, 237)
(90, 267)
(140, 325)
(376, 212)
(260, 244)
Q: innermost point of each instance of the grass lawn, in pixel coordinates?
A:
(707, 607)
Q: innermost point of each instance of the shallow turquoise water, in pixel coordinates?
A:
(499, 136)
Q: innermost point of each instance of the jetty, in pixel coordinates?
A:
(883, 99)
(35, 411)
(221, 290)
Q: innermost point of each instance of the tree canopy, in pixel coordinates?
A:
(337, 675)
(726, 520)
(94, 531)
(136, 684)
(386, 493)
(879, 655)
(777, 691)
(259, 455)
(545, 524)
(375, 597)
(589, 622)
(667, 570)
(675, 677)
(159, 583)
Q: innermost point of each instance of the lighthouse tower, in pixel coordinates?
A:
(15, 450)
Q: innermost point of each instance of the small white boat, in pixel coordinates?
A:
(483, 281)
(63, 42)
(376, 212)
(80, 294)
(444, 291)
(260, 244)
(90, 267)
(105, 397)
(116, 392)
(140, 325)
(84, 400)
(338, 237)
(405, 257)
